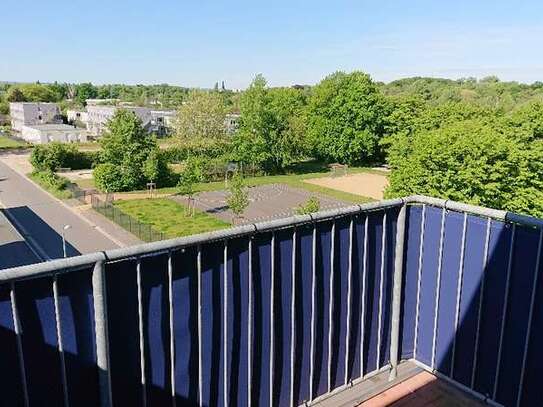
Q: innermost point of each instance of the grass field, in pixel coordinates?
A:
(169, 217)
(7, 143)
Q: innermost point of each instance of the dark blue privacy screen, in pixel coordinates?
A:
(185, 310)
(284, 317)
(76, 308)
(39, 339)
(123, 325)
(12, 387)
(261, 327)
(410, 282)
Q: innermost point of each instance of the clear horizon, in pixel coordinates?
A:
(196, 45)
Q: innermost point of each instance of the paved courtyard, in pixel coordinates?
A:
(266, 202)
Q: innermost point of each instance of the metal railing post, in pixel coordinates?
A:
(101, 329)
(397, 293)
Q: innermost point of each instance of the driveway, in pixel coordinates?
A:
(41, 219)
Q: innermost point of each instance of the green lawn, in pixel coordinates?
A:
(7, 143)
(295, 180)
(85, 183)
(167, 216)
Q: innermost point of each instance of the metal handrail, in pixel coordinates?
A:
(78, 262)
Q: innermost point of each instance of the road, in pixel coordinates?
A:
(41, 219)
(14, 251)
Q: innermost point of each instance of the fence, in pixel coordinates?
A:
(142, 230)
(284, 312)
(82, 195)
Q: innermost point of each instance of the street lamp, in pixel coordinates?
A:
(64, 229)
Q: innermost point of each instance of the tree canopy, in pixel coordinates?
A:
(345, 118)
(201, 116)
(129, 155)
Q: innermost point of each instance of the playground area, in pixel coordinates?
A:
(266, 202)
(367, 184)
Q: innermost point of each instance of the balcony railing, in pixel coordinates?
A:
(285, 312)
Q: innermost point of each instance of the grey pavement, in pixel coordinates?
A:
(266, 202)
(14, 251)
(40, 219)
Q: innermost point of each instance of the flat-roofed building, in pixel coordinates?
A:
(77, 116)
(154, 121)
(33, 113)
(161, 122)
(46, 133)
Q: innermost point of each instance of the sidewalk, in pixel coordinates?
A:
(124, 237)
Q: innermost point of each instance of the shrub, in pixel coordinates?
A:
(312, 205)
(52, 183)
(52, 156)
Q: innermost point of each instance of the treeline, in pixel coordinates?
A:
(487, 92)
(485, 150)
(74, 95)
(477, 141)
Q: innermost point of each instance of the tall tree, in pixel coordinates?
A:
(271, 131)
(346, 118)
(84, 91)
(126, 149)
(201, 117)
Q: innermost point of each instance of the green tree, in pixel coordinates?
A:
(127, 146)
(312, 205)
(155, 168)
(34, 92)
(201, 117)
(189, 177)
(108, 177)
(15, 94)
(346, 118)
(471, 162)
(84, 91)
(528, 120)
(238, 199)
(271, 132)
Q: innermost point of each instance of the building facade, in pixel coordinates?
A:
(31, 114)
(46, 133)
(154, 121)
(77, 116)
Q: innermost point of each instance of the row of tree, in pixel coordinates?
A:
(75, 95)
(469, 149)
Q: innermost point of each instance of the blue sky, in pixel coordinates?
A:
(199, 42)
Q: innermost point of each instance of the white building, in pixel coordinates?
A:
(30, 114)
(77, 116)
(46, 133)
(155, 121)
(161, 121)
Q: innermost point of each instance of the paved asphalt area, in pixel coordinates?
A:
(40, 219)
(266, 202)
(13, 249)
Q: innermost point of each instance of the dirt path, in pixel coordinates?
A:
(363, 184)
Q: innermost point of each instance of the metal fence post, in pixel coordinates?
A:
(100, 326)
(397, 293)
